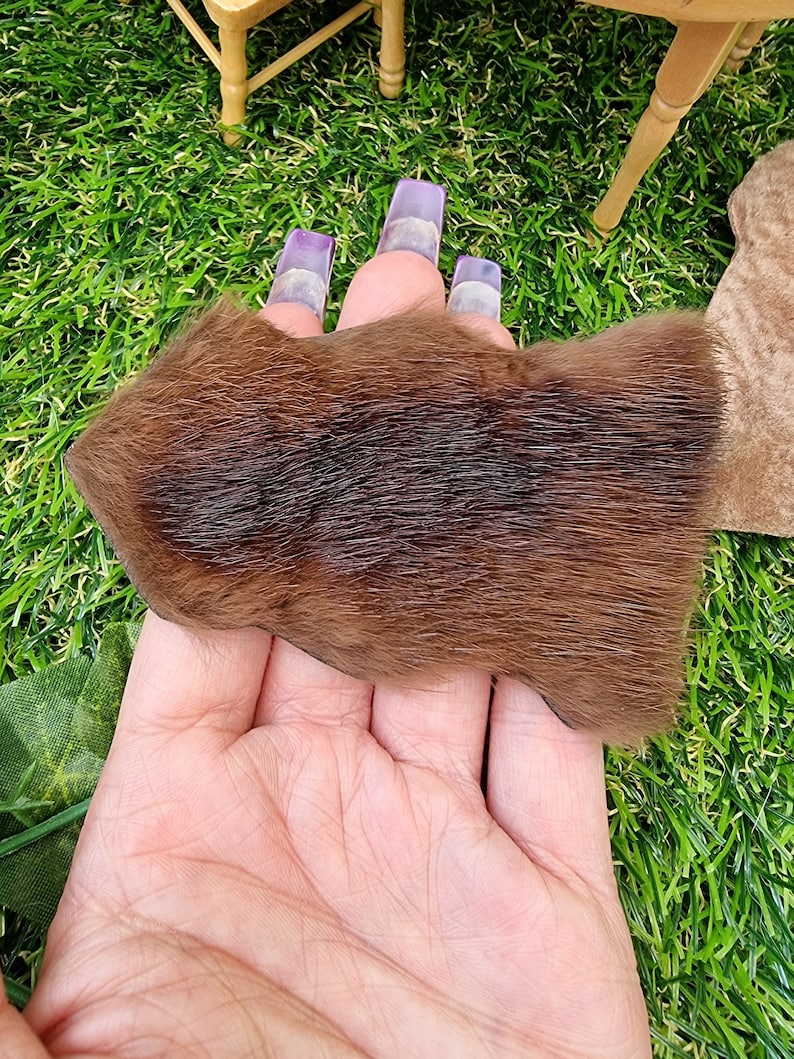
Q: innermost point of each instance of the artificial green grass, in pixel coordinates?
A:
(121, 211)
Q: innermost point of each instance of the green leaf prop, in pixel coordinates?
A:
(55, 732)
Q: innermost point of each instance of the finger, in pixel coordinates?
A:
(293, 319)
(297, 684)
(442, 726)
(403, 276)
(546, 787)
(545, 782)
(439, 724)
(181, 678)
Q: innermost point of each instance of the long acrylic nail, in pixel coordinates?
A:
(476, 287)
(415, 219)
(303, 273)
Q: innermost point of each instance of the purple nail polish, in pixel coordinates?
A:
(303, 272)
(415, 219)
(476, 287)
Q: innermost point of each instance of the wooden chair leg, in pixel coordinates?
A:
(392, 47)
(234, 80)
(751, 35)
(698, 51)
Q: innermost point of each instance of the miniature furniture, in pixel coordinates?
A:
(710, 34)
(235, 17)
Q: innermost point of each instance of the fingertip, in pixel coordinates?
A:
(293, 319)
(398, 281)
(490, 329)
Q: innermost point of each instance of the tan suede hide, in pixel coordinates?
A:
(753, 306)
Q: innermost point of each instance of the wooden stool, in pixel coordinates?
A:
(235, 17)
(710, 33)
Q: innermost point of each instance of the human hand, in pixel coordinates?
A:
(281, 860)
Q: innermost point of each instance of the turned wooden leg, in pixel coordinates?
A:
(392, 47)
(698, 51)
(748, 39)
(234, 80)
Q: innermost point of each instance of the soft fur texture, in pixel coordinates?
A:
(753, 307)
(402, 497)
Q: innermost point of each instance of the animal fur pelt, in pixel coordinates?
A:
(402, 497)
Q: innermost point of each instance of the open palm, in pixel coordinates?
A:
(261, 874)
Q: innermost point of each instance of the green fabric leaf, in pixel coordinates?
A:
(55, 732)
(98, 704)
(17, 992)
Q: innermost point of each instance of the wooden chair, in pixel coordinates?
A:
(235, 17)
(710, 33)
